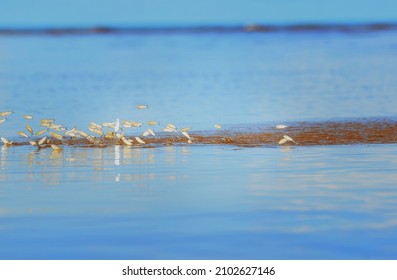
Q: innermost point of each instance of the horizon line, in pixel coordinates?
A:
(209, 28)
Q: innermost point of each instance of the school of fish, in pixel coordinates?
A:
(53, 135)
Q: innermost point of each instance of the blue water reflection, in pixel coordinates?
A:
(199, 202)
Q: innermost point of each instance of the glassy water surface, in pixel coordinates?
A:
(198, 201)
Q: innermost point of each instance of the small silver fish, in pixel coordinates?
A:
(108, 124)
(131, 124)
(170, 125)
(6, 113)
(23, 134)
(82, 133)
(33, 143)
(38, 133)
(57, 127)
(285, 139)
(290, 139)
(116, 125)
(56, 135)
(95, 125)
(186, 135)
(42, 140)
(139, 140)
(72, 133)
(6, 142)
(46, 122)
(126, 141)
(29, 128)
(168, 129)
(55, 147)
(98, 131)
(282, 141)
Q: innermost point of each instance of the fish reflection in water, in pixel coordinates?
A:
(123, 163)
(117, 162)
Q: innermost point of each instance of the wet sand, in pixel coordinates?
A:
(305, 134)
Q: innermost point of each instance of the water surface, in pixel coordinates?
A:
(200, 79)
(199, 202)
(208, 200)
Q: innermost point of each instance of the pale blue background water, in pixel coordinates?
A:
(199, 79)
(198, 202)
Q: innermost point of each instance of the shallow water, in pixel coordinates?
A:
(206, 200)
(199, 202)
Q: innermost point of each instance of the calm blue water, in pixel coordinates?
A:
(199, 79)
(198, 201)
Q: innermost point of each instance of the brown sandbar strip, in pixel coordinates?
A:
(306, 134)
